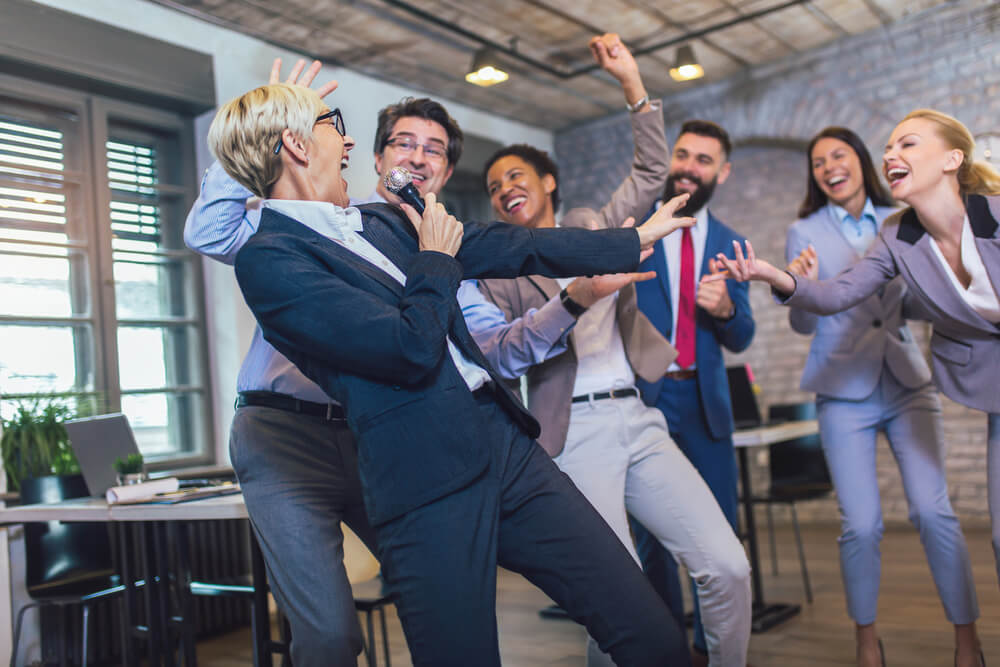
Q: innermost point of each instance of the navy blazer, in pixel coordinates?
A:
(711, 335)
(379, 348)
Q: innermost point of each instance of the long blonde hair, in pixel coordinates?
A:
(975, 177)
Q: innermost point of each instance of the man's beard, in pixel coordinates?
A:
(700, 196)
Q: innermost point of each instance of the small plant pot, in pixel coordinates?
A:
(129, 478)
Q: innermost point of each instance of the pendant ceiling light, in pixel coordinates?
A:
(485, 69)
(686, 67)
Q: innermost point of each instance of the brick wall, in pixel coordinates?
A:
(947, 58)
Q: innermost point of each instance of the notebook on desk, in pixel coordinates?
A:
(746, 411)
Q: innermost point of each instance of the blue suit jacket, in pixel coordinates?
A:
(711, 335)
(379, 348)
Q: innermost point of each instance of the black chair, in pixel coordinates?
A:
(798, 472)
(68, 564)
(369, 598)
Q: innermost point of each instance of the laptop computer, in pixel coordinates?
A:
(746, 412)
(98, 442)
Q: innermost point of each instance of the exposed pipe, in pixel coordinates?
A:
(569, 74)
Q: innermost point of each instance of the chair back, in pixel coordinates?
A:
(798, 467)
(62, 558)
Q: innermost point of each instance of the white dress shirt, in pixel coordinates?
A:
(980, 295)
(672, 251)
(343, 226)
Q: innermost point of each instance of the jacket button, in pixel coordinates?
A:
(877, 323)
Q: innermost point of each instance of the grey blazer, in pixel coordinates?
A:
(550, 384)
(846, 356)
(965, 348)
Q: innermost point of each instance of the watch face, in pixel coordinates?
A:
(988, 147)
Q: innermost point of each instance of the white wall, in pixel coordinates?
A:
(242, 63)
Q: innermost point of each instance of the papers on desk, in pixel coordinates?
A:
(166, 492)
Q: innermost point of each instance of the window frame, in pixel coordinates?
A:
(88, 228)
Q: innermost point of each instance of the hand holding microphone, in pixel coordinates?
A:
(436, 229)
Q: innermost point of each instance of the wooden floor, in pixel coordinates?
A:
(911, 620)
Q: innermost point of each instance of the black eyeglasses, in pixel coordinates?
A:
(337, 122)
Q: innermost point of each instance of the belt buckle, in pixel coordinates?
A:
(612, 394)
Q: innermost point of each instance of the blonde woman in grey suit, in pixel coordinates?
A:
(946, 247)
(869, 375)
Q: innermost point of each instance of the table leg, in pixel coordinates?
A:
(765, 616)
(128, 606)
(261, 617)
(185, 598)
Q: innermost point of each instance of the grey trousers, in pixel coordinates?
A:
(911, 420)
(993, 482)
(299, 476)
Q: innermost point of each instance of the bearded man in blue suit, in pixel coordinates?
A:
(699, 319)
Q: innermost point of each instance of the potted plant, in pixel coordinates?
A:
(130, 470)
(36, 453)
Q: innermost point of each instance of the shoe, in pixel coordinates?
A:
(881, 652)
(982, 658)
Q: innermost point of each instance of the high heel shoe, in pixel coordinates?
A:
(982, 659)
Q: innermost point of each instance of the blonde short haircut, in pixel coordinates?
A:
(975, 177)
(246, 131)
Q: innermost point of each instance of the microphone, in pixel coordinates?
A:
(400, 183)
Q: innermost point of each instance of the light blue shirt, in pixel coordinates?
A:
(220, 223)
(859, 233)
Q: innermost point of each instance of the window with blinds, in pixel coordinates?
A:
(99, 299)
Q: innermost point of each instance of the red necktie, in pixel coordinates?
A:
(684, 340)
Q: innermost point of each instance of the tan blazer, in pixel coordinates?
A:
(550, 384)
(965, 348)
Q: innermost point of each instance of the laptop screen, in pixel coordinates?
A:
(746, 412)
(98, 442)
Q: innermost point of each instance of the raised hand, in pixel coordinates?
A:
(806, 264)
(615, 59)
(713, 296)
(663, 222)
(436, 230)
(297, 78)
(748, 267)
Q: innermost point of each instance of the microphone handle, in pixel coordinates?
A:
(411, 196)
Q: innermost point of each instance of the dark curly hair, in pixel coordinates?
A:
(539, 160)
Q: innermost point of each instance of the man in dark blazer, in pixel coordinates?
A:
(363, 302)
(694, 393)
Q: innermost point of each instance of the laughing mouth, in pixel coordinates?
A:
(513, 203)
(344, 163)
(896, 174)
(836, 180)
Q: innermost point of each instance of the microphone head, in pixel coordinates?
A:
(396, 179)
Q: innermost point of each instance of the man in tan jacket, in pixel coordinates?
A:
(617, 450)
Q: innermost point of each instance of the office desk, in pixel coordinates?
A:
(149, 529)
(765, 616)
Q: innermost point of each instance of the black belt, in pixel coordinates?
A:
(600, 396)
(270, 399)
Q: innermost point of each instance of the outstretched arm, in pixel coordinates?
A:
(651, 160)
(824, 297)
(514, 347)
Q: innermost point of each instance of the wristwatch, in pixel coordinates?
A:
(638, 105)
(572, 307)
